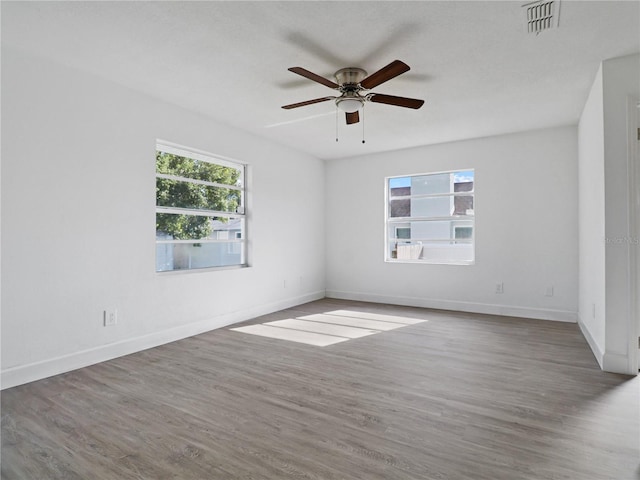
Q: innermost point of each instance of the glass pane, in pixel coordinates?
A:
(463, 205)
(438, 242)
(400, 231)
(463, 181)
(399, 182)
(444, 253)
(174, 193)
(400, 208)
(197, 169)
(432, 206)
(188, 256)
(430, 184)
(403, 233)
(463, 232)
(438, 183)
(440, 231)
(171, 226)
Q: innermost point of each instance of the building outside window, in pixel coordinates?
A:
(430, 218)
(200, 210)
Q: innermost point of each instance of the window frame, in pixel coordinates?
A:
(195, 154)
(391, 224)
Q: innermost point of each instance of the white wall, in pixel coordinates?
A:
(621, 80)
(606, 232)
(526, 227)
(78, 223)
(591, 219)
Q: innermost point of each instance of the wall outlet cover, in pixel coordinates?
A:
(110, 317)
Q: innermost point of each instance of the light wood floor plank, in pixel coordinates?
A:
(458, 396)
(357, 322)
(326, 328)
(272, 331)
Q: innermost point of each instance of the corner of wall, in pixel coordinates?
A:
(595, 348)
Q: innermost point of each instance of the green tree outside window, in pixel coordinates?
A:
(183, 194)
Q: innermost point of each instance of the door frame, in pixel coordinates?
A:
(633, 170)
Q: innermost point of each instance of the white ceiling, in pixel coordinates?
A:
(473, 62)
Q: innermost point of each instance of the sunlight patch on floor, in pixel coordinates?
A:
(327, 329)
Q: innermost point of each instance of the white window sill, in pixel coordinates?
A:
(432, 262)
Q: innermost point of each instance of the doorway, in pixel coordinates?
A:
(635, 211)
(634, 231)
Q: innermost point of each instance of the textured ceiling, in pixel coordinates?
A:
(472, 62)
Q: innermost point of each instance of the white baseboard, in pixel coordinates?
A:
(509, 311)
(595, 348)
(616, 363)
(22, 374)
(609, 362)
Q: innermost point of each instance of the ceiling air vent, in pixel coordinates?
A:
(542, 15)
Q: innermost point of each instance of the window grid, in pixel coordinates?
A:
(200, 210)
(438, 211)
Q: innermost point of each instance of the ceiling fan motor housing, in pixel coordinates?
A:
(349, 80)
(350, 76)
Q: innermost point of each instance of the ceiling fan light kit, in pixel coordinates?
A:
(350, 104)
(353, 84)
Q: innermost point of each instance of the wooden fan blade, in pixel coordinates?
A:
(397, 101)
(308, 102)
(352, 117)
(312, 76)
(392, 70)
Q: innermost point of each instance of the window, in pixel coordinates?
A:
(430, 218)
(200, 212)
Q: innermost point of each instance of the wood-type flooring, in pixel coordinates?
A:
(457, 397)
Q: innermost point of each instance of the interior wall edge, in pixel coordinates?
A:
(470, 307)
(593, 345)
(22, 374)
(633, 199)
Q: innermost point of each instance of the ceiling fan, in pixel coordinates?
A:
(353, 84)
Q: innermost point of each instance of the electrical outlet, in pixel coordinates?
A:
(500, 287)
(110, 317)
(549, 291)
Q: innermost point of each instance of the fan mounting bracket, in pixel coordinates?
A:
(349, 78)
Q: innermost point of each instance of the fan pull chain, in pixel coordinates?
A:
(363, 124)
(337, 123)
